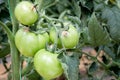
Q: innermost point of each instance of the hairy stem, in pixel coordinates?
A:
(12, 4)
(14, 53)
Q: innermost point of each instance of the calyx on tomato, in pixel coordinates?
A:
(28, 43)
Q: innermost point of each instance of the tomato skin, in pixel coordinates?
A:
(26, 13)
(47, 64)
(69, 38)
(29, 43)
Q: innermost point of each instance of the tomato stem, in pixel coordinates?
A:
(12, 4)
(14, 53)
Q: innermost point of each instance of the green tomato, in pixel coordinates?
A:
(69, 38)
(47, 64)
(26, 13)
(43, 39)
(54, 37)
(29, 43)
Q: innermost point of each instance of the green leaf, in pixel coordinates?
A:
(76, 8)
(62, 5)
(33, 75)
(109, 52)
(118, 3)
(98, 6)
(112, 15)
(118, 52)
(27, 69)
(87, 4)
(98, 36)
(85, 35)
(42, 4)
(2, 5)
(4, 50)
(93, 68)
(70, 65)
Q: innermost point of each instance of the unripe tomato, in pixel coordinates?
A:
(69, 37)
(26, 13)
(47, 64)
(54, 36)
(29, 43)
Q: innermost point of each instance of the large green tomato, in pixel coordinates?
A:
(69, 38)
(47, 64)
(29, 43)
(26, 13)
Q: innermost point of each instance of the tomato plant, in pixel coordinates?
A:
(47, 64)
(26, 13)
(65, 40)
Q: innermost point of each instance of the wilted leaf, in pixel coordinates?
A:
(71, 66)
(98, 36)
(112, 15)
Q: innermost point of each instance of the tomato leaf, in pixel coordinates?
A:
(109, 52)
(93, 68)
(118, 3)
(76, 8)
(118, 51)
(2, 5)
(98, 36)
(44, 3)
(4, 50)
(112, 16)
(85, 35)
(70, 65)
(33, 75)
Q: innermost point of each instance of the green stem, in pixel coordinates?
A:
(55, 2)
(14, 53)
(12, 4)
(52, 19)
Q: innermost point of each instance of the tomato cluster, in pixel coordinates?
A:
(28, 43)
(31, 44)
(65, 38)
